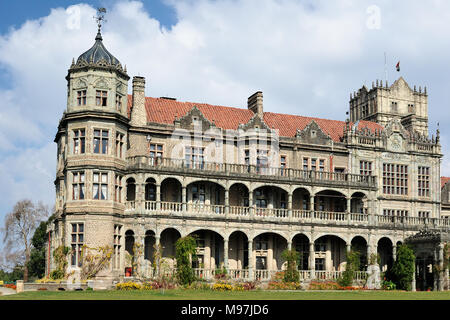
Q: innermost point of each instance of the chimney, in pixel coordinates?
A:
(138, 113)
(255, 103)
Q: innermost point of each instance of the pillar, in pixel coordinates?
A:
(290, 205)
(183, 198)
(250, 259)
(349, 205)
(250, 203)
(312, 260)
(311, 203)
(158, 197)
(157, 246)
(441, 267)
(227, 201)
(394, 253)
(413, 283)
(289, 245)
(225, 253)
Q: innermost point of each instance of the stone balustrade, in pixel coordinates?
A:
(302, 216)
(230, 170)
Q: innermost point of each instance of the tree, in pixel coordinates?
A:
(292, 257)
(36, 265)
(352, 265)
(403, 269)
(20, 224)
(185, 249)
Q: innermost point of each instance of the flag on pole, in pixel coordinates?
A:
(398, 66)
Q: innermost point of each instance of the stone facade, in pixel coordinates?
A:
(246, 192)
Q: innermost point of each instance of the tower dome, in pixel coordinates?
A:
(98, 57)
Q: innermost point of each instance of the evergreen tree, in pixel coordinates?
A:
(403, 269)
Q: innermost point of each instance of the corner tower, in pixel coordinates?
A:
(384, 103)
(97, 81)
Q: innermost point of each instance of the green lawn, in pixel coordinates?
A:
(213, 295)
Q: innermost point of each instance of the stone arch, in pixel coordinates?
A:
(210, 248)
(258, 185)
(168, 238)
(330, 200)
(190, 181)
(323, 234)
(321, 189)
(258, 233)
(300, 243)
(358, 202)
(161, 179)
(129, 241)
(238, 249)
(149, 243)
(359, 244)
(330, 252)
(238, 195)
(385, 250)
(268, 247)
(130, 189)
(301, 198)
(171, 190)
(150, 189)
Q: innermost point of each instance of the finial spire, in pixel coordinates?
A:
(100, 18)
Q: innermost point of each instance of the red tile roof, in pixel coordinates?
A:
(165, 111)
(444, 181)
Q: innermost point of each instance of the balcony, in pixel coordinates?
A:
(284, 215)
(240, 171)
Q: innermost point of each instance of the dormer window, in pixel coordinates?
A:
(81, 97)
(101, 98)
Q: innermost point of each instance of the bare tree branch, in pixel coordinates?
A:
(18, 230)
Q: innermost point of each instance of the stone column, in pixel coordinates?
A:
(290, 205)
(311, 203)
(225, 253)
(250, 203)
(394, 253)
(289, 245)
(157, 244)
(250, 259)
(184, 198)
(158, 197)
(349, 209)
(312, 260)
(441, 267)
(413, 283)
(349, 246)
(227, 201)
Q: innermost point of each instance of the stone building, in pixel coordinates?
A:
(248, 183)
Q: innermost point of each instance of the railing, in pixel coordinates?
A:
(239, 211)
(345, 179)
(327, 275)
(238, 273)
(304, 216)
(330, 216)
(266, 212)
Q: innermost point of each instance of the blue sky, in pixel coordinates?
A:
(305, 55)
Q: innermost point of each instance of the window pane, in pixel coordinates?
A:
(104, 191)
(81, 227)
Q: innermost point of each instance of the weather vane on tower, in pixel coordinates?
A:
(100, 17)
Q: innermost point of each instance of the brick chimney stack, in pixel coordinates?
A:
(138, 112)
(255, 103)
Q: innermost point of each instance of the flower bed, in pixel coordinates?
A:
(280, 285)
(10, 286)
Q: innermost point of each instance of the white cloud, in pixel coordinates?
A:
(306, 56)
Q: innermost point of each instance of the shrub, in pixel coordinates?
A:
(353, 261)
(402, 272)
(185, 251)
(388, 285)
(127, 286)
(292, 258)
(221, 286)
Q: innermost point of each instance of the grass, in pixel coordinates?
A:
(214, 295)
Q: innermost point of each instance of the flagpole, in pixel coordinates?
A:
(385, 68)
